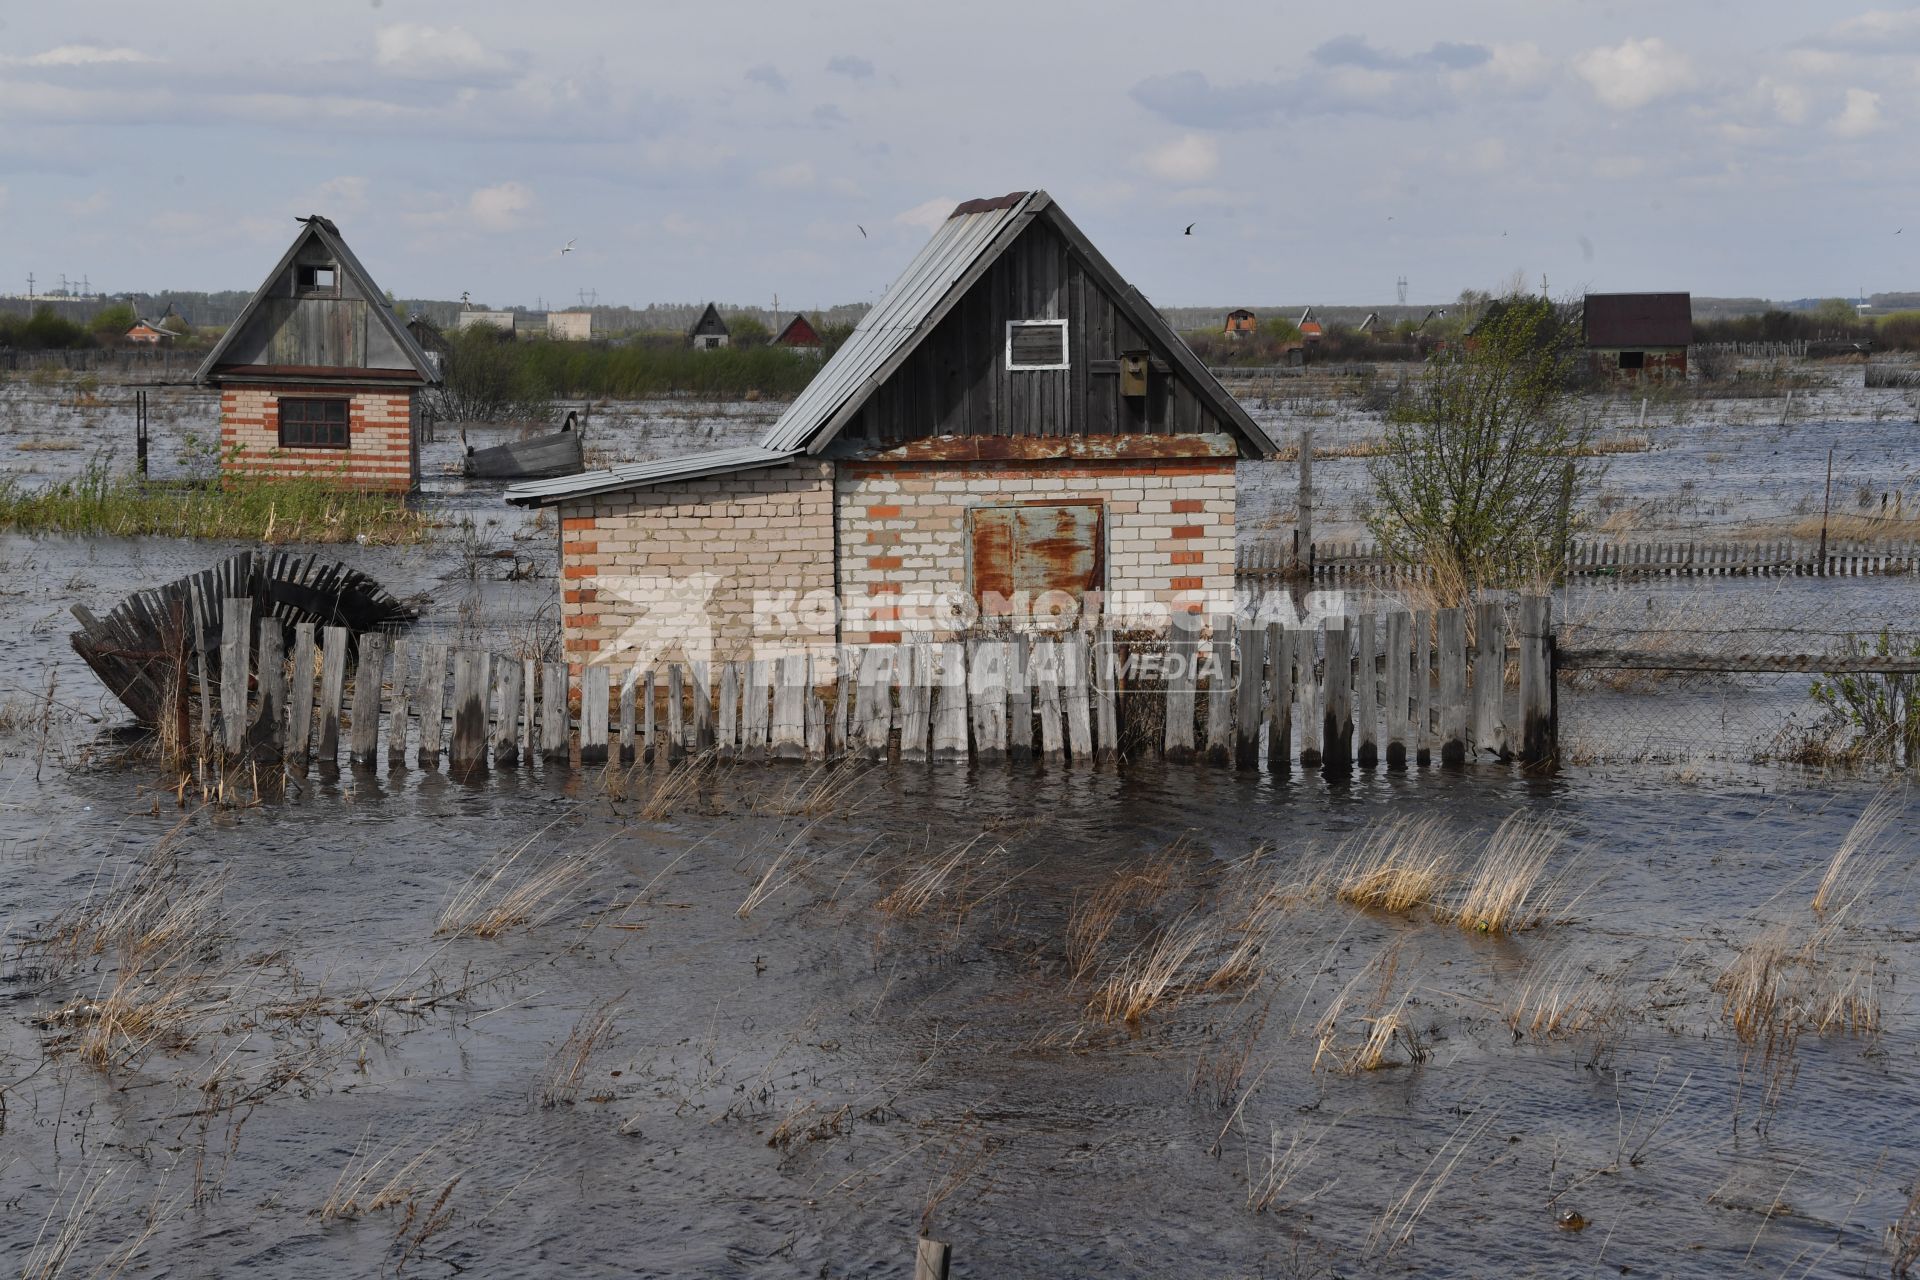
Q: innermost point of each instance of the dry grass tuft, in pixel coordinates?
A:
(509, 891)
(1404, 865)
(964, 876)
(1353, 1039)
(361, 1187)
(1508, 890)
(1094, 916)
(684, 785)
(1267, 1193)
(826, 789)
(595, 1027)
(1858, 862)
(1903, 1237)
(1562, 1000)
(1152, 972)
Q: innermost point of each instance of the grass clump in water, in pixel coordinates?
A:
(309, 509)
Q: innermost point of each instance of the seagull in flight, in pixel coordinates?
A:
(1190, 227)
(568, 246)
(862, 230)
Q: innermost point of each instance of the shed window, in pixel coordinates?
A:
(1633, 359)
(1033, 548)
(320, 279)
(309, 422)
(1036, 344)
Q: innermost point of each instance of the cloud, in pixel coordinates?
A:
(91, 205)
(852, 66)
(1859, 117)
(1789, 102)
(83, 55)
(768, 76)
(828, 114)
(501, 207)
(928, 214)
(1631, 75)
(1877, 31)
(345, 194)
(421, 52)
(1189, 98)
(1192, 157)
(1355, 51)
(787, 177)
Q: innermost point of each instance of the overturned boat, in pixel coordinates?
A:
(558, 454)
(140, 648)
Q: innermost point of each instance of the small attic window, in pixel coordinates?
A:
(317, 279)
(1036, 344)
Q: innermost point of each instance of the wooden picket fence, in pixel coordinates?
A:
(1789, 557)
(1341, 692)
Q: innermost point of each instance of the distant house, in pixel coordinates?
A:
(974, 455)
(1310, 329)
(501, 320)
(1634, 335)
(799, 334)
(148, 333)
(318, 377)
(1241, 323)
(709, 331)
(570, 326)
(431, 340)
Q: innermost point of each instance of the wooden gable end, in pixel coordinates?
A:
(958, 381)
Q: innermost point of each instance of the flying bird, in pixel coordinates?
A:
(568, 246)
(1190, 227)
(862, 230)
(1898, 232)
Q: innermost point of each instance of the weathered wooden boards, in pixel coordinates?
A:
(1342, 694)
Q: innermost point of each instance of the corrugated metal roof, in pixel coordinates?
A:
(908, 308)
(638, 475)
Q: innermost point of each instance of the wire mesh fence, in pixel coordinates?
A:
(1809, 676)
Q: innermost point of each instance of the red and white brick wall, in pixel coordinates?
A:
(1168, 528)
(754, 551)
(379, 457)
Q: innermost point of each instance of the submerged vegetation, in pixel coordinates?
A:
(99, 502)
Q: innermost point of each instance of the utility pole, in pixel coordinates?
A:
(1826, 509)
(29, 286)
(1401, 286)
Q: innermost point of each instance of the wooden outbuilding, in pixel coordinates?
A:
(798, 334)
(1012, 436)
(317, 376)
(1636, 335)
(709, 331)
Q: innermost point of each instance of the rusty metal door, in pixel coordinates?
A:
(1035, 548)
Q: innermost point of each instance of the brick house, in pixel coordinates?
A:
(1011, 436)
(317, 376)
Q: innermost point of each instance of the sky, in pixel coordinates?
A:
(742, 150)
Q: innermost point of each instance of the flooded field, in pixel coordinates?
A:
(772, 1021)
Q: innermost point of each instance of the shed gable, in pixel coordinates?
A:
(992, 366)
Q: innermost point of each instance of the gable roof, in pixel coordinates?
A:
(316, 228)
(798, 333)
(952, 261)
(960, 252)
(1639, 319)
(709, 322)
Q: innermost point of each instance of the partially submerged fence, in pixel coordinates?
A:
(1785, 557)
(1336, 694)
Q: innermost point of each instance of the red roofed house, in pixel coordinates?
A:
(799, 334)
(318, 377)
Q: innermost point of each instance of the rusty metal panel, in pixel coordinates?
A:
(1035, 548)
(1039, 449)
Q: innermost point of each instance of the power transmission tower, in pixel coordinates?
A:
(1400, 286)
(29, 286)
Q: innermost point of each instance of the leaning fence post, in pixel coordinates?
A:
(333, 683)
(397, 717)
(506, 712)
(930, 1260)
(555, 735)
(433, 704)
(469, 753)
(300, 700)
(268, 724)
(1490, 678)
(369, 674)
(1538, 728)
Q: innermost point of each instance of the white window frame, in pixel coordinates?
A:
(1065, 350)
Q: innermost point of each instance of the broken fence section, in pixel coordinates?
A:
(1785, 557)
(1345, 692)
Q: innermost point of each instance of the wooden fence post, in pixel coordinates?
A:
(1336, 737)
(789, 737)
(1305, 645)
(397, 715)
(1280, 699)
(1490, 678)
(1451, 654)
(1183, 656)
(1220, 691)
(726, 733)
(236, 674)
(1366, 691)
(816, 711)
(701, 675)
(1253, 662)
(1020, 698)
(950, 708)
(433, 704)
(1074, 691)
(506, 711)
(916, 700)
(369, 674)
(333, 687)
(629, 692)
(556, 735)
(267, 732)
(1422, 688)
(1106, 715)
(931, 1260)
(596, 688)
(1398, 624)
(676, 730)
(469, 754)
(987, 696)
(754, 723)
(649, 717)
(1538, 724)
(300, 699)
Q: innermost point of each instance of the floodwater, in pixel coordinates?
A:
(762, 1021)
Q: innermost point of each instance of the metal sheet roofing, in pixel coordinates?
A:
(638, 475)
(910, 307)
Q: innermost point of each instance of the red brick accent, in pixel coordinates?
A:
(1187, 531)
(883, 562)
(582, 548)
(888, 512)
(883, 589)
(577, 522)
(1187, 557)
(577, 571)
(1188, 506)
(883, 637)
(1187, 584)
